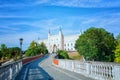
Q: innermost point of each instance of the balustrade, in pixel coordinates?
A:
(9, 71)
(96, 70)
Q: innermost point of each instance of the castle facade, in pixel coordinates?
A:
(60, 42)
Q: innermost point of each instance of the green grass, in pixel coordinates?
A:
(74, 55)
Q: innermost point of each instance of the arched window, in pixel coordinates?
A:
(71, 48)
(64, 44)
(71, 44)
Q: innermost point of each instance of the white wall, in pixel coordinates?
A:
(69, 42)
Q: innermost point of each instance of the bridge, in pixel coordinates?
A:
(48, 68)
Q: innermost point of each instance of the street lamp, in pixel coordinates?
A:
(21, 41)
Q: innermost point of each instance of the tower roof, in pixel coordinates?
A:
(60, 28)
(49, 31)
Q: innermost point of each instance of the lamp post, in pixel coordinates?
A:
(21, 41)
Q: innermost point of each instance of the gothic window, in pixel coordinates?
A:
(71, 48)
(71, 44)
(65, 44)
(68, 44)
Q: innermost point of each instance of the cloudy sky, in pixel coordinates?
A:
(31, 19)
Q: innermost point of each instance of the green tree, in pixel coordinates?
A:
(35, 49)
(8, 53)
(14, 52)
(43, 48)
(118, 37)
(96, 44)
(62, 54)
(0, 55)
(4, 50)
(32, 44)
(117, 50)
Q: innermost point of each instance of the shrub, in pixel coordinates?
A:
(62, 54)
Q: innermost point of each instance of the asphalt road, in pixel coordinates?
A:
(42, 69)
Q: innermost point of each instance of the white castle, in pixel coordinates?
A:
(60, 42)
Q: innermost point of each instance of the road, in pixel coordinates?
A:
(42, 69)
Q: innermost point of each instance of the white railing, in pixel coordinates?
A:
(9, 71)
(96, 70)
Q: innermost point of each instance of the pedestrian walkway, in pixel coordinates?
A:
(42, 69)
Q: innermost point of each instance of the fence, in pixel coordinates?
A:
(95, 70)
(9, 71)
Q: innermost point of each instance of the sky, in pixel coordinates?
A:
(31, 19)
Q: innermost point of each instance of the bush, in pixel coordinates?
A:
(62, 54)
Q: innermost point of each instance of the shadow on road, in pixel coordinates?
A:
(32, 71)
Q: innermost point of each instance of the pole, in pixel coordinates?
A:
(21, 40)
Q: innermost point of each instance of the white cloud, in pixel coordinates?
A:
(68, 3)
(81, 3)
(42, 24)
(9, 28)
(41, 1)
(17, 5)
(12, 40)
(107, 20)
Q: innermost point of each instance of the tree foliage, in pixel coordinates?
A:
(8, 53)
(118, 37)
(117, 50)
(62, 54)
(96, 44)
(3, 50)
(35, 49)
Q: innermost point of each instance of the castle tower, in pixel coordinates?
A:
(61, 39)
(48, 33)
(49, 50)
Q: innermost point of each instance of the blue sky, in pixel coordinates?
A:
(31, 19)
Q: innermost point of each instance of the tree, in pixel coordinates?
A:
(62, 54)
(117, 50)
(8, 53)
(118, 37)
(32, 44)
(4, 50)
(0, 55)
(35, 49)
(43, 48)
(96, 44)
(14, 52)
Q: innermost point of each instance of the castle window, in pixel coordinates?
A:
(71, 44)
(71, 48)
(64, 44)
(68, 44)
